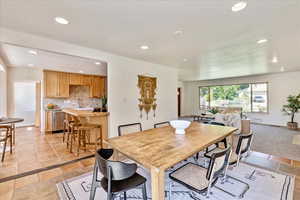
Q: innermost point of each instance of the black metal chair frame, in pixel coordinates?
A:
(212, 177)
(224, 141)
(118, 177)
(161, 123)
(126, 125)
(239, 151)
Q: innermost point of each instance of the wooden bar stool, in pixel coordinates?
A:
(85, 134)
(5, 138)
(73, 134)
(67, 128)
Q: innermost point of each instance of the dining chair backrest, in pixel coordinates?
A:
(218, 163)
(126, 129)
(162, 124)
(244, 143)
(113, 170)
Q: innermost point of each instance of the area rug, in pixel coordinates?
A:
(264, 185)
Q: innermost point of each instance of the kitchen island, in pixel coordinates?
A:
(90, 117)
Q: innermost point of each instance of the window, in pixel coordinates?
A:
(252, 97)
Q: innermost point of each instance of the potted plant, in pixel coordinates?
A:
(291, 108)
(104, 104)
(213, 110)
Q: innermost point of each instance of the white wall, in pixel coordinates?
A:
(122, 79)
(21, 75)
(3, 89)
(280, 86)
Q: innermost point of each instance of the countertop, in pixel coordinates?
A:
(85, 113)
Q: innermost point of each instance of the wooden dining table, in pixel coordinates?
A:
(160, 148)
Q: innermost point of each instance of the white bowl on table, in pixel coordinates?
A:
(180, 126)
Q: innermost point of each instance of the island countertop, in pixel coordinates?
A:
(85, 113)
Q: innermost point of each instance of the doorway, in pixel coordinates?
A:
(179, 101)
(24, 102)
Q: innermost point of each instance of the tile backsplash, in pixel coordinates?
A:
(79, 98)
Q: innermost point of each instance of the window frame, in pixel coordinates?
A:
(251, 94)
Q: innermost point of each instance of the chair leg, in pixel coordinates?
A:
(79, 141)
(110, 196)
(13, 133)
(4, 148)
(170, 190)
(71, 140)
(64, 132)
(68, 136)
(94, 183)
(125, 196)
(241, 195)
(11, 143)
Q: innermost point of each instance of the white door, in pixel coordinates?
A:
(24, 101)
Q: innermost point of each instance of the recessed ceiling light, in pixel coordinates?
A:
(239, 6)
(144, 47)
(61, 20)
(30, 65)
(185, 60)
(32, 52)
(282, 69)
(261, 41)
(178, 32)
(80, 71)
(274, 59)
(98, 63)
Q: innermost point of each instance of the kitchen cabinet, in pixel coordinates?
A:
(98, 88)
(56, 84)
(63, 85)
(86, 80)
(51, 83)
(75, 79)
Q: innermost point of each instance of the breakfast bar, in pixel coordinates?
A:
(90, 117)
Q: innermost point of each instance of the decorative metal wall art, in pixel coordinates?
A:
(147, 86)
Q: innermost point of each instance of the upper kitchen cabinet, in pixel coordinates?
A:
(63, 85)
(56, 84)
(98, 88)
(76, 79)
(86, 80)
(51, 83)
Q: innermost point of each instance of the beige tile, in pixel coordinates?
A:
(27, 180)
(71, 167)
(7, 187)
(46, 175)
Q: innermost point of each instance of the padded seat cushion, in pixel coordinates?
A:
(191, 175)
(232, 159)
(123, 185)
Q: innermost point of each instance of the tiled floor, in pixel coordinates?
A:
(42, 185)
(34, 150)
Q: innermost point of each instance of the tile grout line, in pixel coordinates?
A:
(35, 171)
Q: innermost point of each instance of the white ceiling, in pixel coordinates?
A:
(16, 56)
(217, 42)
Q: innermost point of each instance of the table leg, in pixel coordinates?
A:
(158, 184)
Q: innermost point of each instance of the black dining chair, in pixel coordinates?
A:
(162, 124)
(118, 177)
(198, 178)
(216, 145)
(129, 128)
(239, 150)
